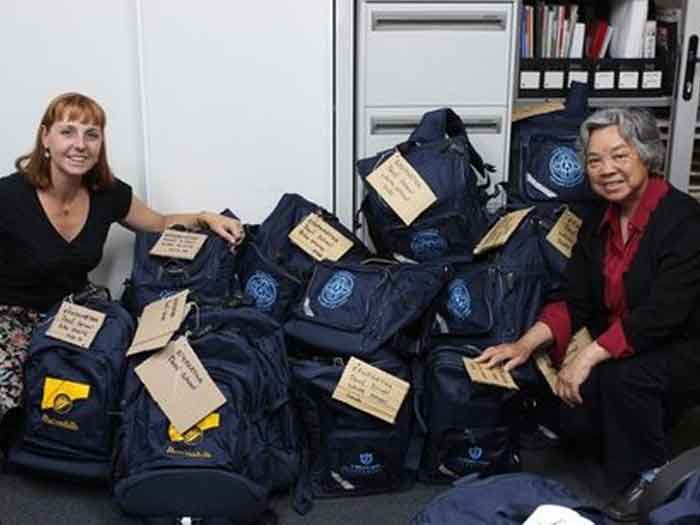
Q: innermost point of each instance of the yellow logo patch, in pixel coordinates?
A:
(60, 394)
(195, 434)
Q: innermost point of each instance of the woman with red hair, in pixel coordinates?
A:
(55, 212)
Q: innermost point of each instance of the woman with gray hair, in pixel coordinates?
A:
(634, 282)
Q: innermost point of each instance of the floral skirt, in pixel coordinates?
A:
(16, 325)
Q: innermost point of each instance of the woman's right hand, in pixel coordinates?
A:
(510, 355)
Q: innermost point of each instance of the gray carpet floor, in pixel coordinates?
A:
(26, 500)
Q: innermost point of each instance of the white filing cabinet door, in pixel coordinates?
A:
(441, 54)
(239, 103)
(386, 127)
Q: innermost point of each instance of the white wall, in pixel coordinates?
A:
(48, 48)
(210, 104)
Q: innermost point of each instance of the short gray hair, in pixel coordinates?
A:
(637, 127)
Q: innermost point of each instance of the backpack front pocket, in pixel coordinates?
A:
(68, 404)
(466, 305)
(362, 462)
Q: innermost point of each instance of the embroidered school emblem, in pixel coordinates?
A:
(428, 244)
(262, 288)
(564, 167)
(459, 302)
(475, 453)
(337, 290)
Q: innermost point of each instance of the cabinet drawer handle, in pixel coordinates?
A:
(405, 126)
(432, 21)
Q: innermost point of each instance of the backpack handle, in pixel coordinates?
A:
(435, 124)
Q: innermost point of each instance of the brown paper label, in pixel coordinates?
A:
(500, 232)
(177, 244)
(402, 188)
(490, 376)
(319, 239)
(531, 110)
(76, 324)
(158, 322)
(179, 383)
(544, 363)
(371, 390)
(564, 233)
(580, 340)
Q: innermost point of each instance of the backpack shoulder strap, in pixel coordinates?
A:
(668, 482)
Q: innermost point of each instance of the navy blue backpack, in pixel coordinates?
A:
(544, 165)
(227, 464)
(469, 428)
(273, 270)
(683, 509)
(506, 499)
(351, 453)
(72, 395)
(441, 153)
(673, 498)
(209, 275)
(493, 298)
(353, 309)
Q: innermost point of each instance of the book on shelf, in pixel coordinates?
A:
(577, 40)
(609, 32)
(597, 37)
(628, 17)
(649, 40)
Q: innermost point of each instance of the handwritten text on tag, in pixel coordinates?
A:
(177, 244)
(159, 320)
(76, 324)
(500, 232)
(490, 376)
(319, 239)
(564, 233)
(402, 188)
(179, 383)
(371, 390)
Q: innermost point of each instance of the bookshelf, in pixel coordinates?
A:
(661, 83)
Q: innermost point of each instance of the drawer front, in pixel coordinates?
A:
(435, 54)
(383, 128)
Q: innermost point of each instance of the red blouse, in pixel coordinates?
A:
(618, 257)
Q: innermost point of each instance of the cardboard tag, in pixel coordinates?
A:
(76, 324)
(319, 239)
(500, 232)
(564, 234)
(371, 390)
(490, 376)
(531, 110)
(177, 244)
(544, 363)
(581, 339)
(179, 383)
(158, 322)
(402, 188)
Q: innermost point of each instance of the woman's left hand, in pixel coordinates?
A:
(575, 373)
(227, 227)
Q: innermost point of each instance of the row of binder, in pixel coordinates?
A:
(635, 77)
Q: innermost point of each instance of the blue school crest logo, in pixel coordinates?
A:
(428, 244)
(366, 458)
(459, 302)
(337, 290)
(475, 453)
(565, 168)
(262, 288)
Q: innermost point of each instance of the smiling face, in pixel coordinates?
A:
(614, 168)
(74, 146)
